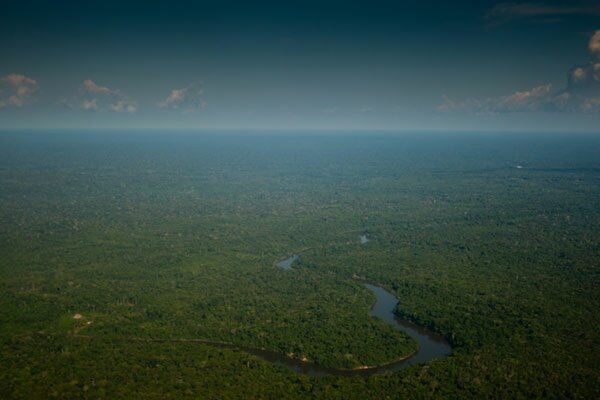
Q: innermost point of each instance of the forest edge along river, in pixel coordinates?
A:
(431, 345)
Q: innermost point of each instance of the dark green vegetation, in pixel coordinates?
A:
(174, 236)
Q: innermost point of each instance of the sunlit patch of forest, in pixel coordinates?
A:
(112, 244)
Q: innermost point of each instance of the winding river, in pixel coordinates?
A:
(431, 345)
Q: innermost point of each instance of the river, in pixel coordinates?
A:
(431, 345)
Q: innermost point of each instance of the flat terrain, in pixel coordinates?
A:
(116, 248)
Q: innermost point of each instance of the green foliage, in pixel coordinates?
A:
(175, 237)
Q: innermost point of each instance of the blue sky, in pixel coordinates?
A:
(470, 65)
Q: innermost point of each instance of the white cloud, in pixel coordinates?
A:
(17, 90)
(578, 74)
(94, 97)
(540, 98)
(584, 78)
(91, 87)
(590, 105)
(123, 105)
(189, 98)
(594, 44)
(175, 98)
(528, 100)
(581, 95)
(89, 104)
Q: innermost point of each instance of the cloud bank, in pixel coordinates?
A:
(594, 44)
(189, 98)
(94, 97)
(581, 95)
(17, 90)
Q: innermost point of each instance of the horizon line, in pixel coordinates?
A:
(296, 130)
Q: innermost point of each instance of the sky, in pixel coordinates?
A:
(426, 65)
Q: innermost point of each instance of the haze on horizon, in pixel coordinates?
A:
(467, 65)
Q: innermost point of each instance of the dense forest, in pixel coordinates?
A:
(118, 249)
